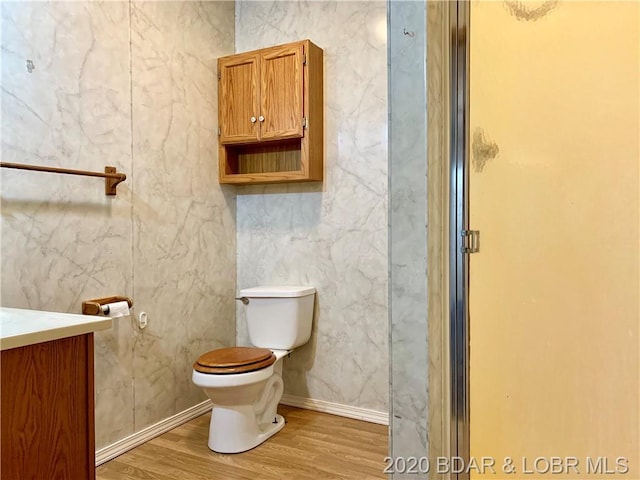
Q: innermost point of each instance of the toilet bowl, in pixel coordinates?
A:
(245, 404)
(245, 383)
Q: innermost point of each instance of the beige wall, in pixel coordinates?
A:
(554, 290)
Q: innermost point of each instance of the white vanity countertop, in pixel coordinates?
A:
(19, 328)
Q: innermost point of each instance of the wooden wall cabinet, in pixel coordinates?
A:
(270, 115)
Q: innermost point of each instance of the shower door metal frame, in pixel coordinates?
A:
(459, 13)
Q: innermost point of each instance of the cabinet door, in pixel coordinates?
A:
(238, 99)
(47, 410)
(281, 92)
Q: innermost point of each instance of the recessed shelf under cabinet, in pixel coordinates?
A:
(271, 115)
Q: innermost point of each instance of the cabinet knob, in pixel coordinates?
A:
(253, 119)
(261, 118)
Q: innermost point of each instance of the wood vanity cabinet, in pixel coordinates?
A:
(270, 115)
(47, 414)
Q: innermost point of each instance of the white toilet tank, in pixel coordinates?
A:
(279, 317)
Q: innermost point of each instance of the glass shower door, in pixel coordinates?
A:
(553, 189)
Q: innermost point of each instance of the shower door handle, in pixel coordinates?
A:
(470, 241)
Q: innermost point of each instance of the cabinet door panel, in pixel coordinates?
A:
(238, 99)
(47, 411)
(281, 92)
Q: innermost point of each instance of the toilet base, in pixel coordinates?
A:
(235, 430)
(245, 406)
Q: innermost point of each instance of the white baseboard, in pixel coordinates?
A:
(323, 406)
(121, 446)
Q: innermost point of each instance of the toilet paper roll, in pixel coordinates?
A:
(116, 309)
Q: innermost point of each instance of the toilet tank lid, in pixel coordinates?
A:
(278, 291)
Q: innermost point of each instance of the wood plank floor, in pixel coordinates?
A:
(311, 446)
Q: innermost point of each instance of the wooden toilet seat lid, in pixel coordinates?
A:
(234, 360)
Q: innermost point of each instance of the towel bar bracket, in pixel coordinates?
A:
(110, 183)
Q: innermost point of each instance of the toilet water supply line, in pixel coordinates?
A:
(274, 388)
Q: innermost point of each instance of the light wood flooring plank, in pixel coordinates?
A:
(311, 446)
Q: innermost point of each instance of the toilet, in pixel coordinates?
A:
(245, 383)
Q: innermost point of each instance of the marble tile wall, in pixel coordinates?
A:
(63, 240)
(331, 235)
(409, 231)
(418, 174)
(183, 221)
(126, 84)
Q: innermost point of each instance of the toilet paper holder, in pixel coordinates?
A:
(97, 305)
